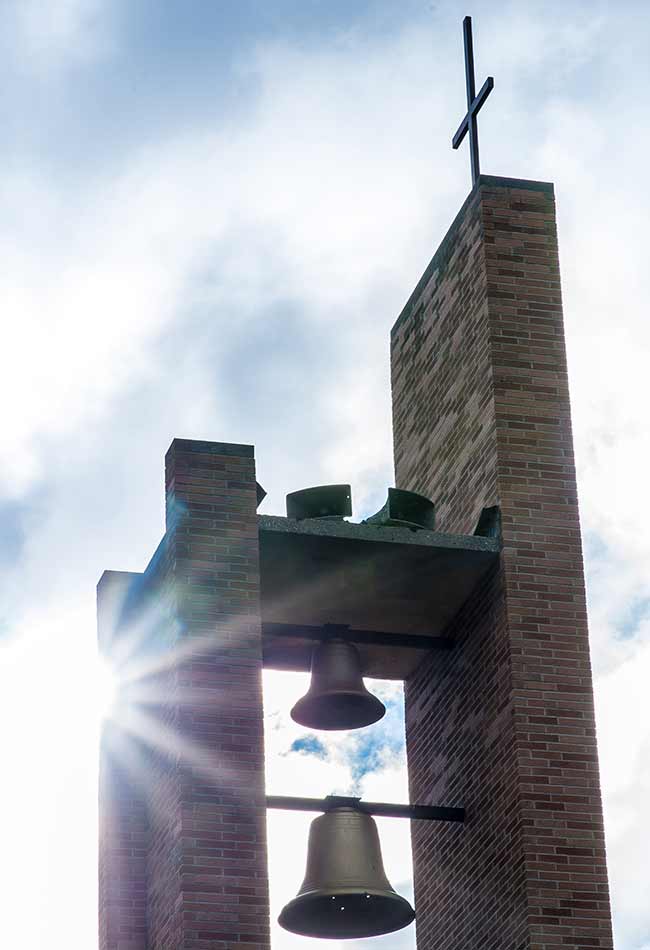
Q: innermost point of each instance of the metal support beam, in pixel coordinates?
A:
(383, 809)
(342, 631)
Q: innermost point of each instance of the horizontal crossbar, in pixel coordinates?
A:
(484, 92)
(383, 809)
(340, 631)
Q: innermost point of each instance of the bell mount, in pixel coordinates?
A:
(380, 809)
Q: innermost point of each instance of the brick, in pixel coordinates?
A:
(504, 723)
(200, 823)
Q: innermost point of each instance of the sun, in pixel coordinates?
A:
(105, 689)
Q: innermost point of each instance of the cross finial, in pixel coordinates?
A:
(474, 102)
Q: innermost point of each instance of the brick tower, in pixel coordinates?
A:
(500, 722)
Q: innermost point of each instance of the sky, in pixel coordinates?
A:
(211, 214)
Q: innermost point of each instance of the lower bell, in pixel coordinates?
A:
(345, 893)
(337, 697)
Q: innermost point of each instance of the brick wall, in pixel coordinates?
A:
(123, 840)
(443, 415)
(505, 723)
(123, 814)
(204, 867)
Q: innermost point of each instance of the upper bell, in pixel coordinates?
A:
(337, 697)
(345, 892)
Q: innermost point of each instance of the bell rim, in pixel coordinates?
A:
(305, 703)
(396, 900)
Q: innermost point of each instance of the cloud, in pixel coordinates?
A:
(624, 745)
(125, 272)
(55, 33)
(309, 745)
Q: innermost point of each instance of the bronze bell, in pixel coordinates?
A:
(345, 892)
(337, 697)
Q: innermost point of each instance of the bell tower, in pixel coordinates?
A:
(467, 585)
(477, 603)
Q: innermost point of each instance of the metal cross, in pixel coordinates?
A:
(474, 102)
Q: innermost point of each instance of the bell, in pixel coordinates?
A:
(337, 697)
(345, 893)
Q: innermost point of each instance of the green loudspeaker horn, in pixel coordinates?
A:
(405, 509)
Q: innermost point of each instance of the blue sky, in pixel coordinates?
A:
(211, 214)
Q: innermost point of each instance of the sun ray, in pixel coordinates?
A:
(172, 743)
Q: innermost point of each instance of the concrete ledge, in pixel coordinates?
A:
(369, 577)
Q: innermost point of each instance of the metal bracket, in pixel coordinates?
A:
(337, 631)
(383, 809)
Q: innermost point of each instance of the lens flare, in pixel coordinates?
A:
(105, 689)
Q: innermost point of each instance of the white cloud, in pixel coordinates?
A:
(51, 34)
(624, 744)
(284, 207)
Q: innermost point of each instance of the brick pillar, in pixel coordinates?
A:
(207, 865)
(503, 724)
(123, 837)
(123, 817)
(204, 867)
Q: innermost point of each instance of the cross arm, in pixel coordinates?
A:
(461, 132)
(484, 92)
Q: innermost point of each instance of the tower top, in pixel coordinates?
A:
(474, 102)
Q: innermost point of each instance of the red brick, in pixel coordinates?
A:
(504, 723)
(201, 835)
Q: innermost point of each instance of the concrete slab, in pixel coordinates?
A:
(369, 577)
